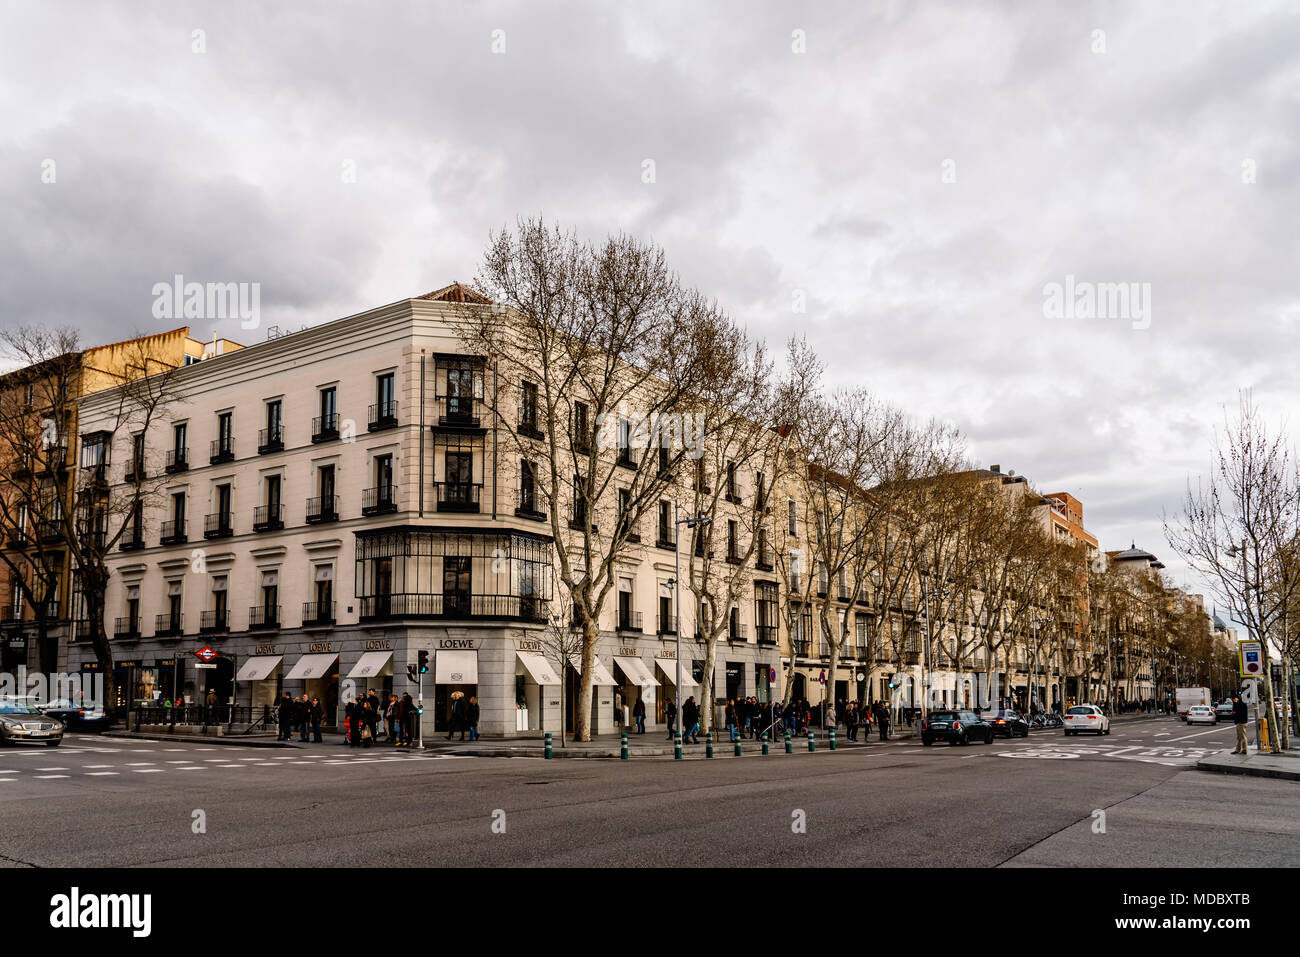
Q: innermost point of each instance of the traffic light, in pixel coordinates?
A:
(410, 673)
(424, 662)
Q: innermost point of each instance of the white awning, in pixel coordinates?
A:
(259, 668)
(636, 671)
(456, 668)
(600, 674)
(370, 664)
(669, 668)
(311, 666)
(538, 668)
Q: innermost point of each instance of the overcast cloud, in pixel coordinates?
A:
(775, 172)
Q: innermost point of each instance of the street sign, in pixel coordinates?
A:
(1252, 658)
(205, 654)
(201, 665)
(822, 679)
(771, 674)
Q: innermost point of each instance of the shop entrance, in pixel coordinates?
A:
(734, 681)
(444, 700)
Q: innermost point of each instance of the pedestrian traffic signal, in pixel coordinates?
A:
(424, 662)
(410, 673)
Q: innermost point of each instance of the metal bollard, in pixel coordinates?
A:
(677, 747)
(708, 745)
(789, 745)
(812, 745)
(738, 751)
(765, 742)
(832, 739)
(624, 754)
(548, 744)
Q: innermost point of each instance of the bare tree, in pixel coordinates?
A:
(1236, 528)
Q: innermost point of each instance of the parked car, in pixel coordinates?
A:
(20, 722)
(1007, 723)
(1223, 709)
(1201, 714)
(1086, 717)
(76, 718)
(955, 727)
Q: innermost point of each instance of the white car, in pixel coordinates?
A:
(1201, 714)
(1085, 717)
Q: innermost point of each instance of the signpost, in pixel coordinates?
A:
(205, 654)
(1251, 658)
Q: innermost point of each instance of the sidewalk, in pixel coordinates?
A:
(1285, 765)
(644, 745)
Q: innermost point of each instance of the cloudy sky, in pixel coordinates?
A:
(915, 174)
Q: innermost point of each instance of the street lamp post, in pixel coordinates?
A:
(690, 522)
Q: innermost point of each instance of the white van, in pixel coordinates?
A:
(1185, 698)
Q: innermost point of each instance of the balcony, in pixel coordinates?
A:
(18, 538)
(667, 625)
(382, 415)
(458, 496)
(217, 525)
(132, 538)
(629, 621)
(457, 410)
(764, 560)
(126, 627)
(579, 519)
(323, 508)
(802, 647)
(49, 531)
(168, 625)
(177, 461)
(378, 500)
(625, 458)
(325, 428)
(732, 497)
(453, 606)
(528, 425)
(733, 555)
(270, 439)
(214, 621)
(767, 634)
(135, 472)
(317, 614)
(54, 459)
(268, 518)
(222, 450)
(262, 618)
(173, 532)
(633, 533)
(736, 632)
(665, 540)
(581, 441)
(528, 509)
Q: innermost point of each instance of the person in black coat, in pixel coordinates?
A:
(408, 720)
(317, 713)
(353, 714)
(285, 717)
(690, 721)
(457, 718)
(471, 718)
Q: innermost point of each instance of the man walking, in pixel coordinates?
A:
(638, 712)
(690, 721)
(1239, 719)
(670, 711)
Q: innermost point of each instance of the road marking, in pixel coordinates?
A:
(99, 765)
(1197, 734)
(51, 769)
(139, 764)
(175, 750)
(250, 759)
(217, 760)
(205, 749)
(182, 761)
(46, 777)
(230, 765)
(11, 771)
(197, 768)
(100, 774)
(148, 770)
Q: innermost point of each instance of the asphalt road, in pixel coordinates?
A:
(114, 802)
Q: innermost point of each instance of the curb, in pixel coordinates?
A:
(1245, 769)
(237, 740)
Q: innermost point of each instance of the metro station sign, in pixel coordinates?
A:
(205, 654)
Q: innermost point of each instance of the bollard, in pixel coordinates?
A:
(832, 739)
(677, 747)
(789, 745)
(765, 742)
(1261, 740)
(738, 747)
(812, 745)
(548, 744)
(624, 754)
(708, 745)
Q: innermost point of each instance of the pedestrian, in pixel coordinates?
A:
(317, 713)
(884, 723)
(638, 712)
(408, 719)
(369, 721)
(471, 718)
(284, 715)
(457, 717)
(731, 718)
(210, 714)
(302, 715)
(351, 724)
(690, 721)
(1239, 719)
(670, 711)
(391, 718)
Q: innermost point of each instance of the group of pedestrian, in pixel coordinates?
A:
(1144, 706)
(464, 717)
(362, 716)
(301, 716)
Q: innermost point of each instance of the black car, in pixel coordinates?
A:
(955, 727)
(1007, 723)
(74, 717)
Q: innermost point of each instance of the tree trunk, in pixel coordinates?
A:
(582, 707)
(706, 688)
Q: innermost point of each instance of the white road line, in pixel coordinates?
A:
(1196, 735)
(139, 764)
(11, 771)
(51, 769)
(99, 765)
(46, 777)
(250, 759)
(217, 760)
(231, 765)
(148, 770)
(175, 750)
(205, 749)
(100, 774)
(182, 761)
(199, 768)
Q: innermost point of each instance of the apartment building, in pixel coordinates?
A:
(340, 499)
(42, 459)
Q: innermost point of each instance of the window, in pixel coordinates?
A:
(226, 430)
(793, 510)
(701, 477)
(94, 450)
(527, 486)
(386, 394)
(579, 502)
(136, 472)
(733, 545)
(273, 495)
(733, 493)
(581, 427)
(528, 407)
(179, 435)
(175, 605)
(326, 425)
(456, 585)
(271, 438)
(665, 524)
(765, 611)
(760, 491)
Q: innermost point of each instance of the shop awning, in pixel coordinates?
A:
(456, 668)
(669, 668)
(259, 668)
(371, 663)
(636, 671)
(538, 668)
(311, 666)
(600, 674)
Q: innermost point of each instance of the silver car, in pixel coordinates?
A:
(19, 721)
(1201, 714)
